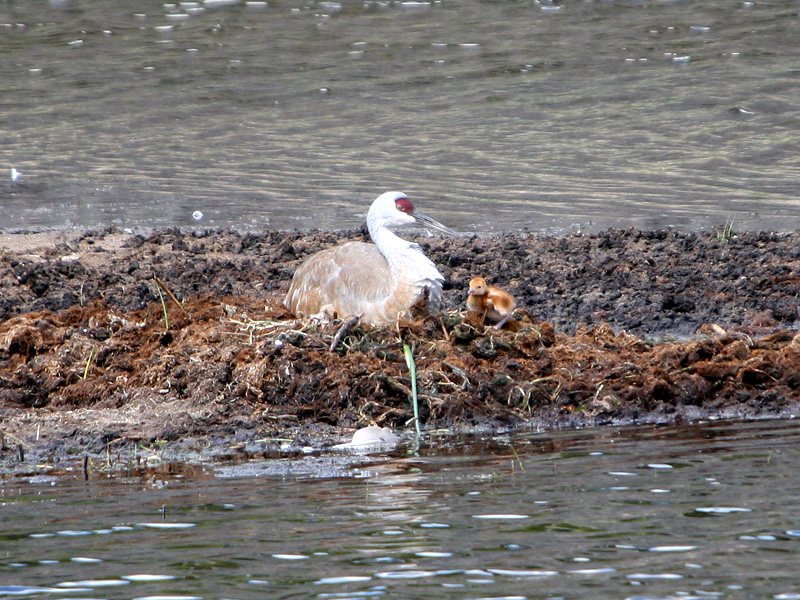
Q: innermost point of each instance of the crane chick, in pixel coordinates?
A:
(491, 302)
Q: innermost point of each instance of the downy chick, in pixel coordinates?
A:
(492, 303)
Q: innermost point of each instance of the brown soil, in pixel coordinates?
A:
(620, 327)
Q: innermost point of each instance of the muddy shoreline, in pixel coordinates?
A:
(620, 327)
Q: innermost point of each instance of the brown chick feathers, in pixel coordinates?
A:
(492, 303)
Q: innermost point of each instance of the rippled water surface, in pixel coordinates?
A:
(494, 115)
(699, 512)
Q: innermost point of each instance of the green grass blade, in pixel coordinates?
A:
(412, 369)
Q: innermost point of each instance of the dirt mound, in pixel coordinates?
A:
(91, 359)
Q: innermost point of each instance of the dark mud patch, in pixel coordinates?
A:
(617, 328)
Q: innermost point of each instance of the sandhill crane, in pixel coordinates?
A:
(378, 282)
(493, 303)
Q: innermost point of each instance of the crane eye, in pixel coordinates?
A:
(404, 205)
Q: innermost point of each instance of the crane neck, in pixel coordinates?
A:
(408, 265)
(392, 246)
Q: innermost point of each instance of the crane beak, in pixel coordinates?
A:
(426, 221)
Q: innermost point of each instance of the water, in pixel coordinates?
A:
(695, 512)
(495, 116)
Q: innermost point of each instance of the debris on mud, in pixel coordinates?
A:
(110, 340)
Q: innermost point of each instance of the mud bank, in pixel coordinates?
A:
(617, 328)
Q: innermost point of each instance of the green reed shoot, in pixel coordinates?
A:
(88, 364)
(412, 369)
(727, 232)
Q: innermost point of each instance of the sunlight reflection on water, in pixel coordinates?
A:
(456, 517)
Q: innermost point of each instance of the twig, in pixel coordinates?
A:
(163, 304)
(444, 330)
(14, 438)
(172, 296)
(465, 384)
(346, 326)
